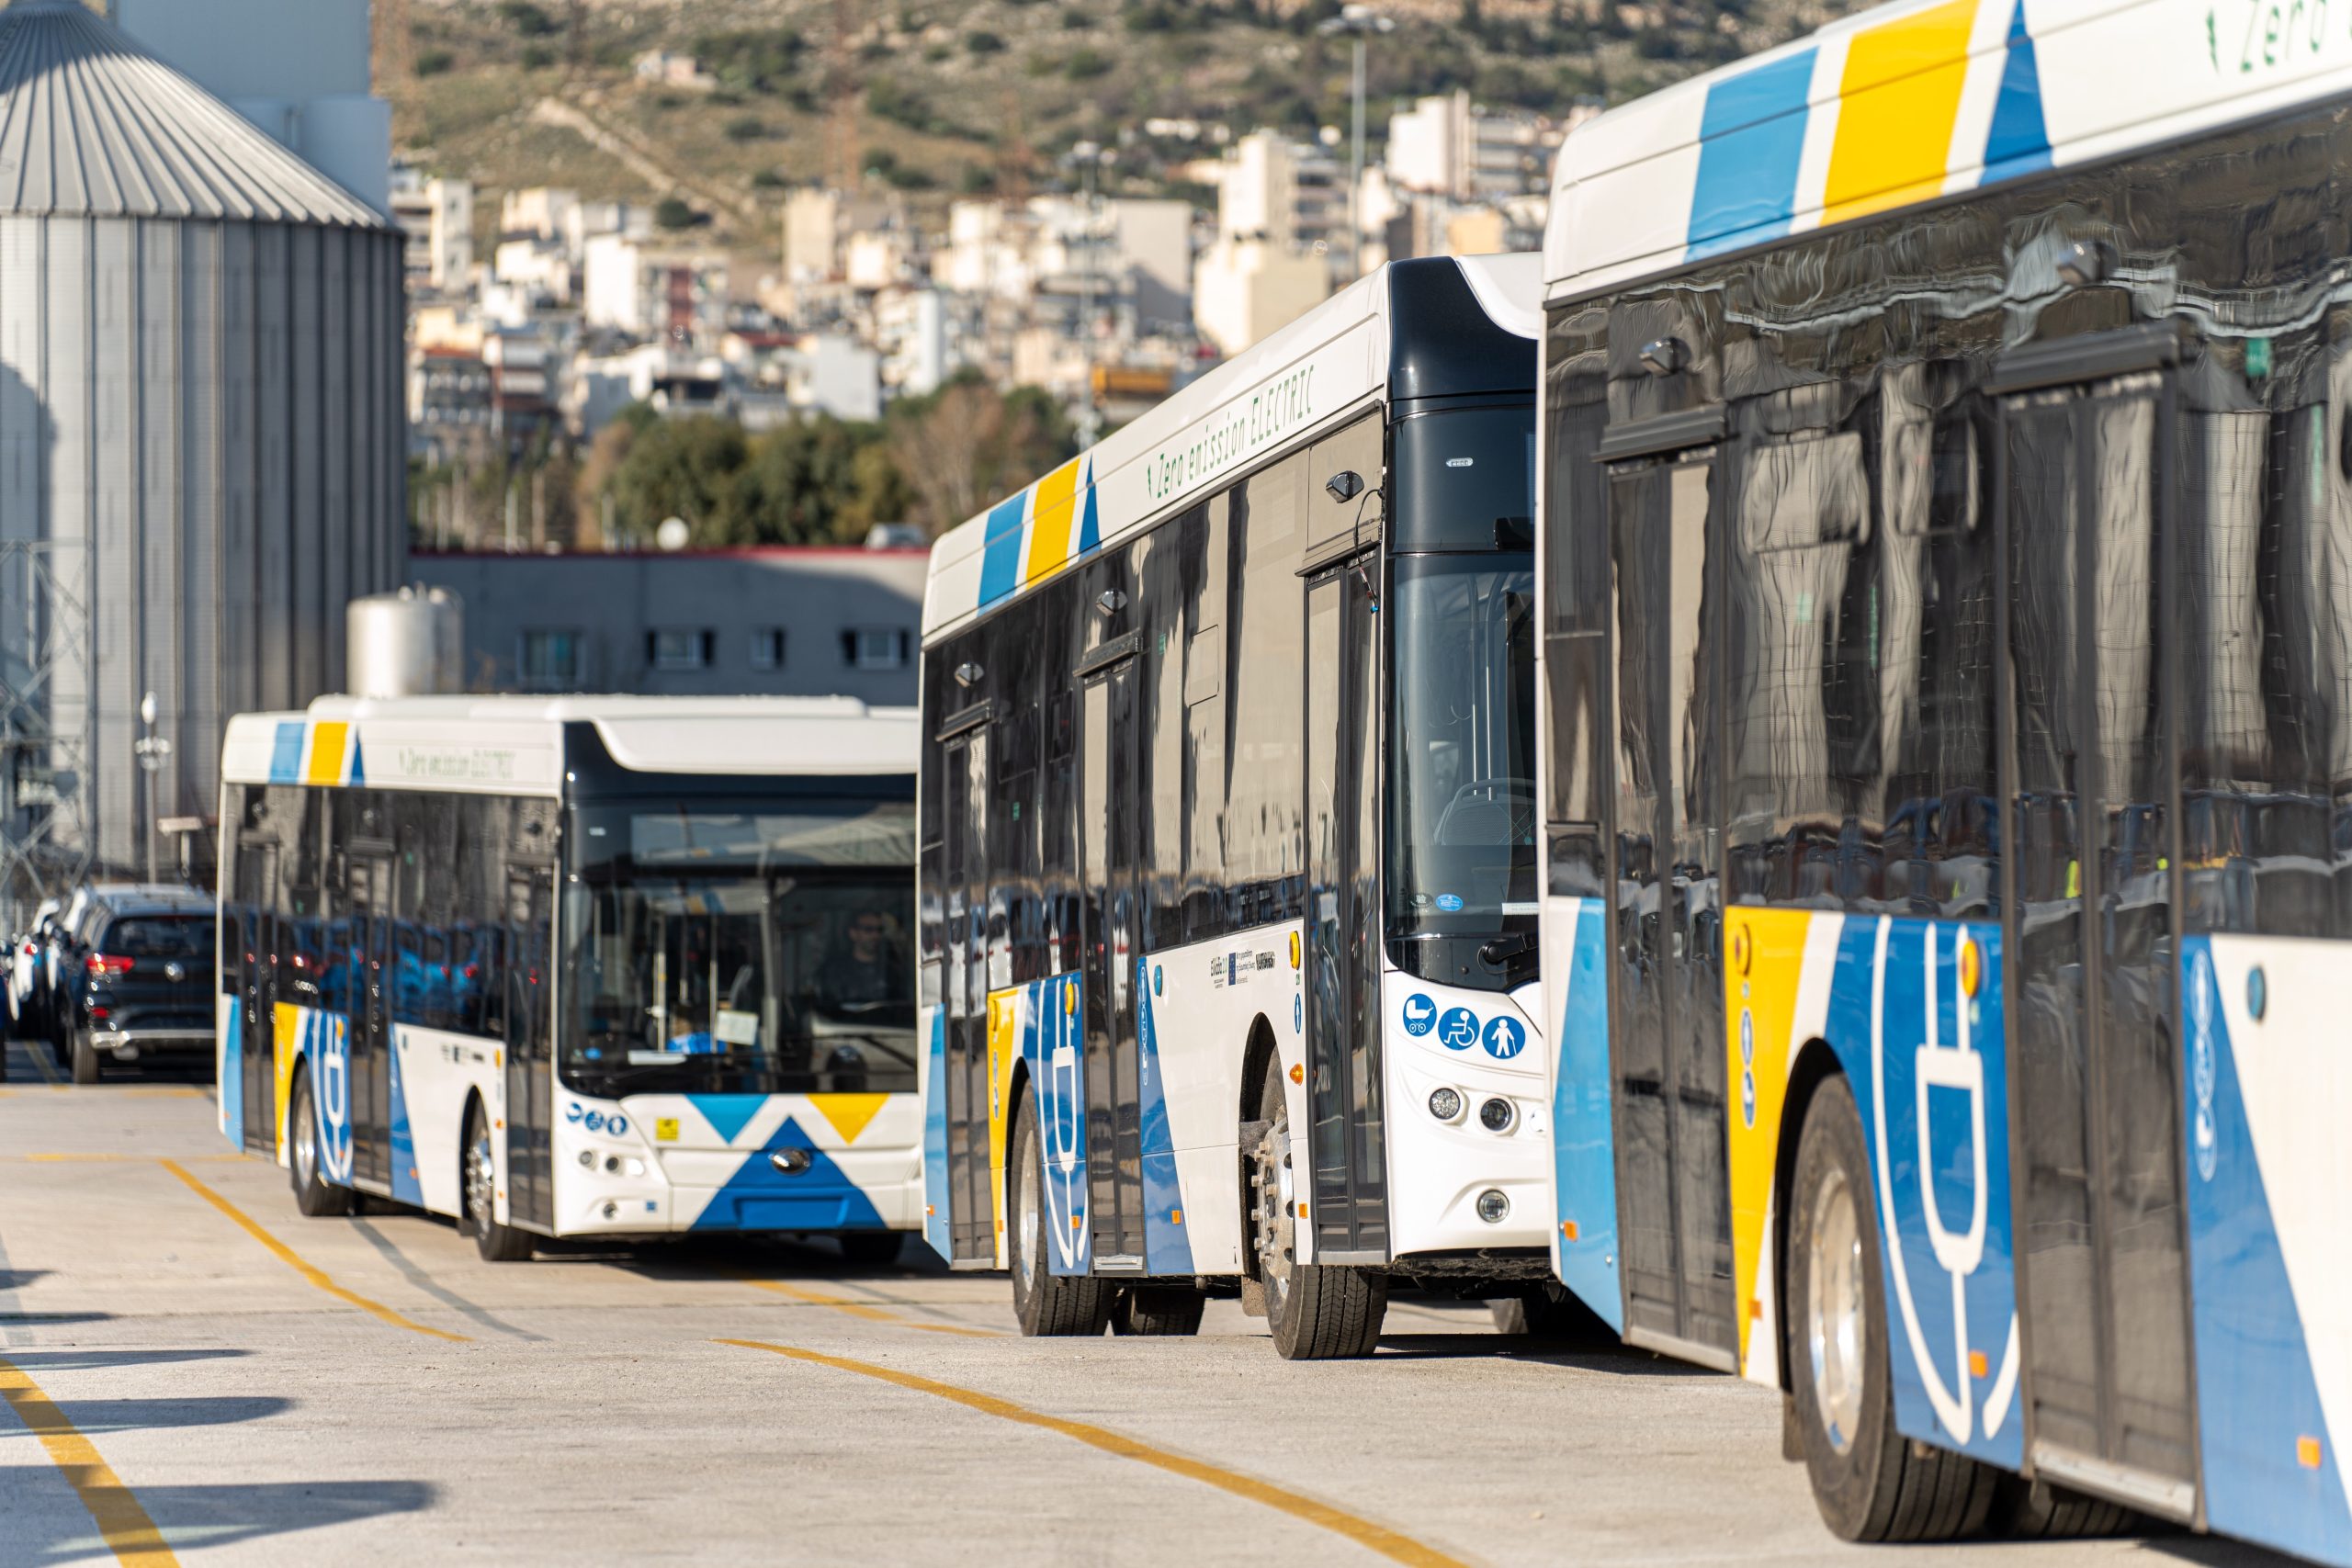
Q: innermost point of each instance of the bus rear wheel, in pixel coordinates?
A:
(497, 1243)
(314, 1195)
(1159, 1311)
(1870, 1483)
(1047, 1305)
(1318, 1312)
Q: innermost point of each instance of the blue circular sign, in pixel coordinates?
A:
(1747, 1096)
(1458, 1029)
(1504, 1038)
(1449, 902)
(1298, 1014)
(595, 1120)
(572, 1112)
(1746, 1037)
(1421, 1015)
(617, 1124)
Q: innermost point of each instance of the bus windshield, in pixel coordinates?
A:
(1462, 814)
(740, 947)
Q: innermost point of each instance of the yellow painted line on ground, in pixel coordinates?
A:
(73, 1157)
(134, 1091)
(129, 1534)
(1378, 1539)
(293, 1260)
(861, 1309)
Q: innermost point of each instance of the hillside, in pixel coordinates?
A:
(943, 97)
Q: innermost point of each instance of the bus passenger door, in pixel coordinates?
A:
(1666, 984)
(2095, 1097)
(252, 943)
(368, 959)
(514, 955)
(1110, 817)
(964, 1003)
(1346, 1139)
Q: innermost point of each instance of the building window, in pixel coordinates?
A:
(552, 661)
(767, 648)
(876, 648)
(680, 648)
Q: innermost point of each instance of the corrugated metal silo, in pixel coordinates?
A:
(202, 437)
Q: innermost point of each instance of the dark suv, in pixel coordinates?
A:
(138, 983)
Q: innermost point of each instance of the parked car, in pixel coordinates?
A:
(25, 1021)
(136, 978)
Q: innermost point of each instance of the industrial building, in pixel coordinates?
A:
(201, 438)
(776, 621)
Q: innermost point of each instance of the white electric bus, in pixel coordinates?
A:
(604, 967)
(1228, 890)
(1947, 552)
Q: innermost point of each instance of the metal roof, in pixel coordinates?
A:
(93, 125)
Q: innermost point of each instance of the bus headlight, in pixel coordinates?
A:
(1444, 1104)
(1493, 1207)
(1496, 1116)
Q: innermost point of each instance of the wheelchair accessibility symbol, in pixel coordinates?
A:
(1457, 1028)
(1504, 1038)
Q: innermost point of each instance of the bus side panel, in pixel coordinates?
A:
(1200, 1003)
(434, 1072)
(931, 1086)
(285, 1038)
(1584, 1165)
(228, 1066)
(1925, 1058)
(1011, 1039)
(2270, 1249)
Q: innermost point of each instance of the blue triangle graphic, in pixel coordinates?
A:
(2019, 142)
(728, 1115)
(358, 764)
(1090, 530)
(760, 1197)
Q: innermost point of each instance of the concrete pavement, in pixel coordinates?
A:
(194, 1372)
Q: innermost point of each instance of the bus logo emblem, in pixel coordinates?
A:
(1421, 1015)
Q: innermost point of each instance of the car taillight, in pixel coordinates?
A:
(99, 1015)
(106, 966)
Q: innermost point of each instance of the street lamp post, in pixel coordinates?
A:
(1089, 158)
(1358, 22)
(152, 750)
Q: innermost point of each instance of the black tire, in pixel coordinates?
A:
(477, 1196)
(1549, 1312)
(1318, 1312)
(2023, 1510)
(314, 1195)
(1046, 1305)
(1870, 1484)
(85, 1059)
(1159, 1311)
(871, 1249)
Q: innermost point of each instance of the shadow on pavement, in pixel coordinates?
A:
(86, 1361)
(96, 1417)
(18, 1278)
(1597, 1355)
(217, 1514)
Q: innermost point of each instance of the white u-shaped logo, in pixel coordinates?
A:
(1064, 1140)
(1957, 1067)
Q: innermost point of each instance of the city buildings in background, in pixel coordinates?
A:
(576, 310)
(785, 621)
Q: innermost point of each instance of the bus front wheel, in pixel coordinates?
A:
(314, 1195)
(1047, 1304)
(1870, 1483)
(1318, 1312)
(497, 1243)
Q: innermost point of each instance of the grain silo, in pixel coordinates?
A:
(201, 436)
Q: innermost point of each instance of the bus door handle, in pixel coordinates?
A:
(791, 1162)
